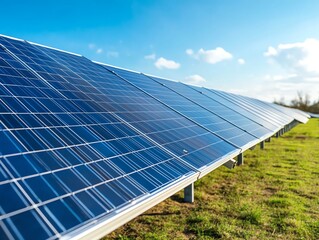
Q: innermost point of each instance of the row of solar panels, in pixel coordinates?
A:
(86, 146)
(314, 115)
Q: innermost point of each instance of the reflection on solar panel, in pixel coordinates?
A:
(251, 113)
(209, 120)
(85, 147)
(242, 121)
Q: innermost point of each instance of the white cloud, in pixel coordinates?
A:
(91, 46)
(278, 86)
(312, 79)
(113, 54)
(277, 90)
(279, 77)
(210, 56)
(162, 63)
(241, 61)
(195, 79)
(99, 50)
(94, 48)
(301, 58)
(299, 70)
(150, 57)
(189, 51)
(271, 51)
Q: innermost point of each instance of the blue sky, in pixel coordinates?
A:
(265, 49)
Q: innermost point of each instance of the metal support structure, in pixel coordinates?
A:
(189, 193)
(262, 145)
(268, 139)
(240, 159)
(277, 134)
(230, 164)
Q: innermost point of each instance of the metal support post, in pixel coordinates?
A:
(189, 193)
(240, 159)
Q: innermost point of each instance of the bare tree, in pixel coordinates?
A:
(281, 101)
(302, 102)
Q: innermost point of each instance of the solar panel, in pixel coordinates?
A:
(170, 129)
(209, 120)
(294, 113)
(241, 109)
(82, 134)
(220, 108)
(86, 146)
(66, 160)
(262, 109)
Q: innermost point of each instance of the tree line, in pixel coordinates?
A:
(301, 101)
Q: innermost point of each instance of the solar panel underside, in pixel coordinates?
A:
(80, 142)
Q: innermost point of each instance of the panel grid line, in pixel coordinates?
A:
(200, 105)
(178, 112)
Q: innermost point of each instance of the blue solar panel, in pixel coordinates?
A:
(209, 120)
(61, 150)
(251, 114)
(293, 113)
(261, 109)
(179, 135)
(220, 108)
(79, 143)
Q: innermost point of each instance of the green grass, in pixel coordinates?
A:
(275, 195)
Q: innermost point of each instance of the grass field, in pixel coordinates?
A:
(275, 195)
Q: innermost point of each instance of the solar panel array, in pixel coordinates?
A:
(83, 143)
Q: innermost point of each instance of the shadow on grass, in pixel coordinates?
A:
(177, 198)
(160, 214)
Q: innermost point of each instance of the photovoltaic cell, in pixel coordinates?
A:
(209, 120)
(223, 110)
(293, 113)
(163, 125)
(251, 114)
(262, 109)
